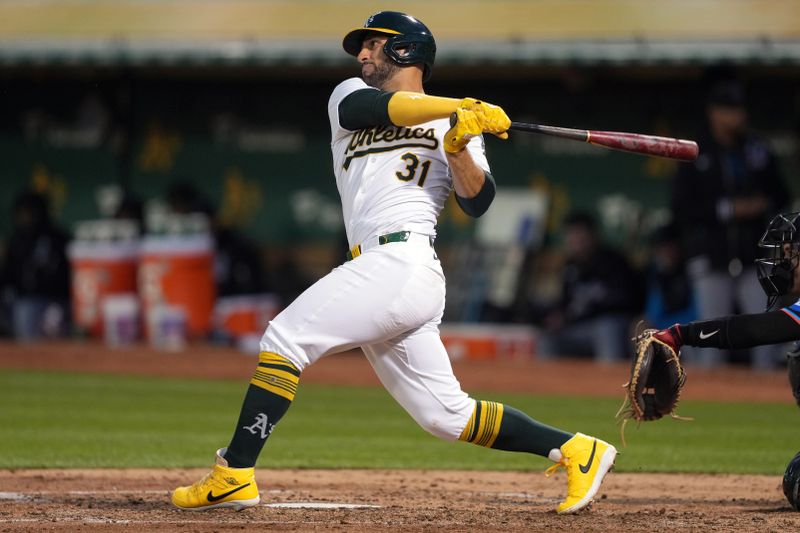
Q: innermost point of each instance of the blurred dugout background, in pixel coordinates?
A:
(152, 110)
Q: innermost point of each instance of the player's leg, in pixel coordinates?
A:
(612, 334)
(360, 301)
(416, 371)
(570, 340)
(714, 291)
(793, 369)
(752, 300)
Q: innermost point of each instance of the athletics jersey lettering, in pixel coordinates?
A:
(388, 138)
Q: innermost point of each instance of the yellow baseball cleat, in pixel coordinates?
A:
(587, 460)
(222, 487)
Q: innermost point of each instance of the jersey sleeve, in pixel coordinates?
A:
(793, 311)
(477, 149)
(340, 92)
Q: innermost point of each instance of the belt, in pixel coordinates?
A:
(397, 236)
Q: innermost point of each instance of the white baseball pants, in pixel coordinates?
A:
(389, 301)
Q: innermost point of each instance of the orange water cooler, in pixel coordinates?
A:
(176, 287)
(102, 265)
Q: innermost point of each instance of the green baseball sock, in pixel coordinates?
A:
(268, 397)
(502, 427)
(521, 433)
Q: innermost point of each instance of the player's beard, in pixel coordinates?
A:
(380, 74)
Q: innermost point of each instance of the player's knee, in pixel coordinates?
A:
(275, 342)
(438, 428)
(441, 423)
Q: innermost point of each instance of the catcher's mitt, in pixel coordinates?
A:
(656, 379)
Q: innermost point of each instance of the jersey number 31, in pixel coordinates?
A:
(410, 172)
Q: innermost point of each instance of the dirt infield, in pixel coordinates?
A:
(137, 500)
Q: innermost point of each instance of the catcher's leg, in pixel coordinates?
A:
(611, 337)
(714, 291)
(793, 368)
(751, 301)
(416, 371)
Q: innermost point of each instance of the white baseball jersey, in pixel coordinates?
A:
(391, 178)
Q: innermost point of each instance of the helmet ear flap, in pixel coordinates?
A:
(412, 49)
(775, 278)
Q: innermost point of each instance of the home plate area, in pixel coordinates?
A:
(380, 500)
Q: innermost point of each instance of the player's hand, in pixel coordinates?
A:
(464, 126)
(492, 118)
(671, 337)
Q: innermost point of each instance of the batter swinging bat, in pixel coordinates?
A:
(627, 142)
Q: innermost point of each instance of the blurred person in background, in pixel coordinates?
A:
(721, 203)
(670, 297)
(601, 294)
(35, 274)
(237, 265)
(130, 208)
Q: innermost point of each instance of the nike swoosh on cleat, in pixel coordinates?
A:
(218, 497)
(585, 468)
(707, 335)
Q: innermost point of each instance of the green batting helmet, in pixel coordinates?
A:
(410, 41)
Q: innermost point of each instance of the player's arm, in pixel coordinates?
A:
(474, 187)
(371, 107)
(734, 332)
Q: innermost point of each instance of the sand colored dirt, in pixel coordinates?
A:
(138, 500)
(400, 500)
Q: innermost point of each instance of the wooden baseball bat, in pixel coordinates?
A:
(637, 143)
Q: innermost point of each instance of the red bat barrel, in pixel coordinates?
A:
(645, 144)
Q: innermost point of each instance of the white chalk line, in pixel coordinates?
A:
(14, 496)
(27, 495)
(320, 505)
(158, 522)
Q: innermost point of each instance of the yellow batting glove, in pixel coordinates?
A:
(466, 127)
(492, 118)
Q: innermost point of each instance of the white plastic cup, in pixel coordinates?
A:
(168, 327)
(121, 325)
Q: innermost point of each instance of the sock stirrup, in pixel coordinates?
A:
(484, 424)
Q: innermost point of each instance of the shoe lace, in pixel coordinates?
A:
(562, 463)
(199, 486)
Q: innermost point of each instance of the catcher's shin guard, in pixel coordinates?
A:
(587, 461)
(222, 487)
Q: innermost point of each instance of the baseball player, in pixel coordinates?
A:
(396, 158)
(779, 276)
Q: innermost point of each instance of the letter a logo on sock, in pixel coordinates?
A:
(261, 425)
